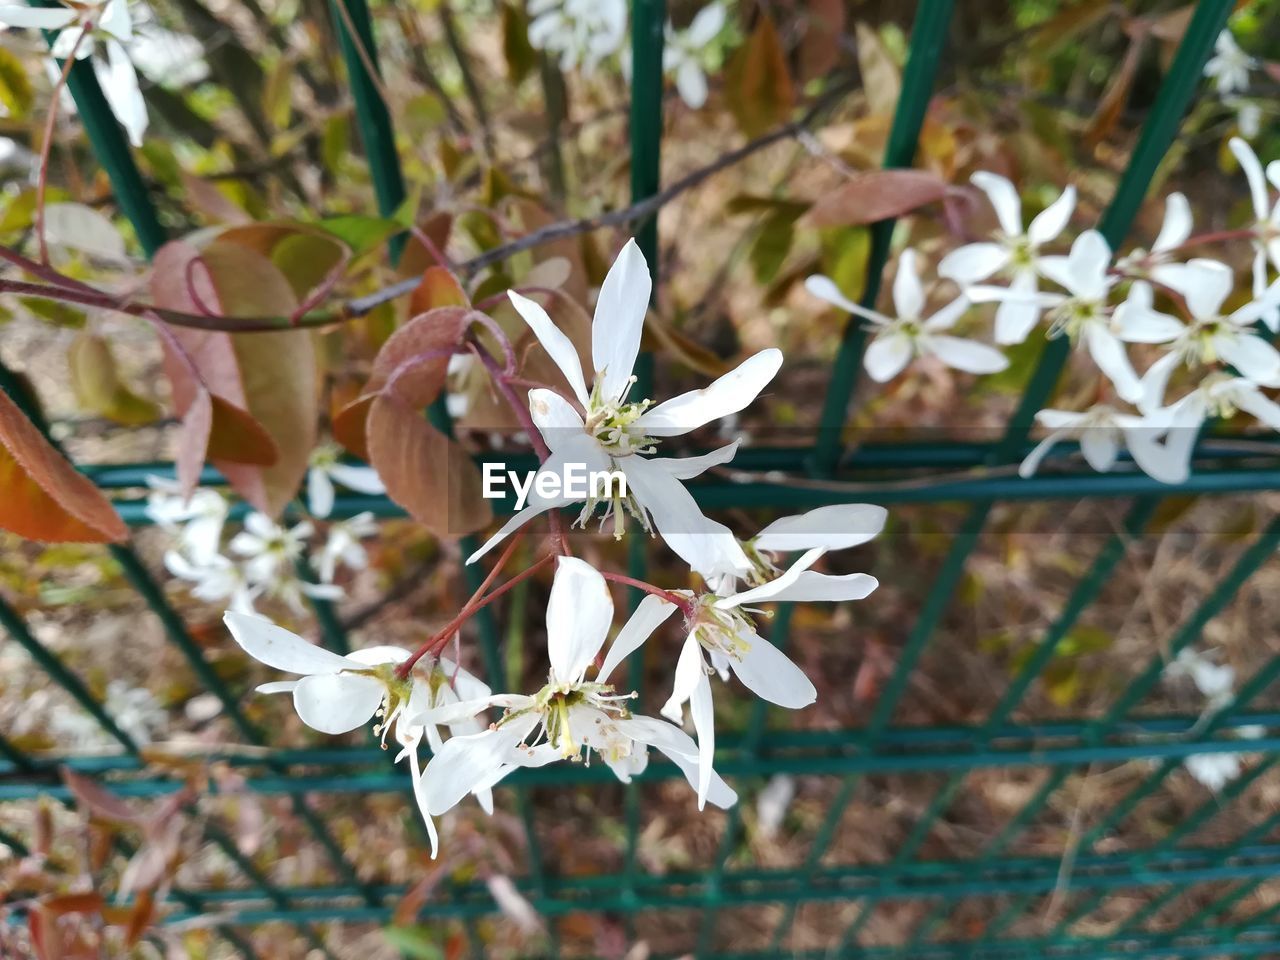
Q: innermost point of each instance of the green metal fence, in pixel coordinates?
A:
(1148, 878)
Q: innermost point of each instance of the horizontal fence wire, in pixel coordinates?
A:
(831, 470)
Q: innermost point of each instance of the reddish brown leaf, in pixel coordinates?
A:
(415, 898)
(415, 358)
(439, 288)
(877, 195)
(427, 473)
(97, 800)
(42, 497)
(144, 911)
(757, 83)
(1116, 96)
(824, 25)
(90, 902)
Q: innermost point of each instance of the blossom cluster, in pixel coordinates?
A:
(1105, 304)
(261, 561)
(1215, 683)
(580, 711)
(585, 33)
(1229, 68)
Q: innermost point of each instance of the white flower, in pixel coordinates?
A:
(616, 432)
(684, 55)
(1213, 770)
(1216, 682)
(1213, 336)
(1082, 313)
(337, 694)
(1101, 429)
(1229, 66)
(197, 521)
(1013, 251)
(1248, 117)
(1266, 228)
(327, 469)
(1174, 231)
(836, 527)
(136, 711)
(216, 579)
(571, 716)
(898, 339)
(269, 549)
(108, 21)
(343, 545)
(1218, 395)
(723, 628)
(582, 32)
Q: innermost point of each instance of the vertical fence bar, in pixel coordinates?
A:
(928, 40)
(648, 18)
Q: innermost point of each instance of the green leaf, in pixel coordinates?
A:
(361, 234)
(519, 53)
(414, 942)
(15, 86)
(771, 246)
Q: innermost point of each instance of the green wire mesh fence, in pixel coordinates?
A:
(1087, 876)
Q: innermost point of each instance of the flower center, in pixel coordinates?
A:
(1022, 253)
(763, 569)
(1071, 317)
(722, 631)
(565, 709)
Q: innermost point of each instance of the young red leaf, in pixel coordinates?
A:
(877, 195)
(415, 358)
(97, 800)
(427, 473)
(42, 497)
(439, 288)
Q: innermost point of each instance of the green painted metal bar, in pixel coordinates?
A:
(928, 40)
(1084, 593)
(1157, 135)
(644, 134)
(814, 760)
(1262, 549)
(359, 54)
(1025, 738)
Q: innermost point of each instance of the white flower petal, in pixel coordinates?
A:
(1261, 406)
(1031, 464)
(824, 288)
(558, 346)
(686, 468)
(691, 82)
(336, 703)
(1053, 219)
(1018, 314)
(120, 86)
(706, 24)
(319, 493)
(1177, 224)
(887, 356)
(465, 763)
(908, 293)
(676, 515)
(357, 478)
(812, 587)
(1248, 161)
(945, 318)
(1100, 446)
(967, 355)
(689, 667)
(579, 613)
(554, 416)
(1206, 284)
(1110, 356)
(769, 673)
(703, 713)
(650, 613)
(277, 647)
(973, 262)
(276, 686)
(725, 395)
(1252, 356)
(1136, 321)
(835, 527)
(1004, 199)
(619, 321)
(32, 18)
(770, 590)
(1166, 462)
(1155, 382)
